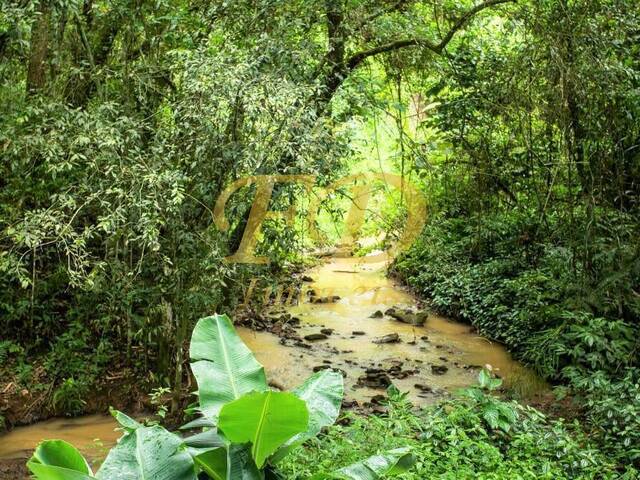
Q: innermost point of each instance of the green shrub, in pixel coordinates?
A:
(68, 398)
(454, 440)
(487, 286)
(582, 344)
(8, 349)
(582, 334)
(613, 411)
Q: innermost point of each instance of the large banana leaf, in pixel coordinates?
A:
(59, 460)
(203, 442)
(323, 393)
(392, 462)
(148, 453)
(224, 367)
(264, 419)
(200, 422)
(240, 464)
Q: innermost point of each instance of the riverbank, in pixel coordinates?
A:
(526, 296)
(120, 387)
(455, 439)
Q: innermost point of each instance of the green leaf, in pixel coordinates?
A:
(491, 415)
(474, 393)
(126, 422)
(264, 419)
(148, 453)
(59, 460)
(201, 422)
(213, 463)
(232, 462)
(495, 383)
(224, 367)
(207, 439)
(322, 392)
(241, 465)
(508, 412)
(504, 425)
(392, 462)
(484, 378)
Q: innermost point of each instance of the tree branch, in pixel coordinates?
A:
(464, 19)
(357, 58)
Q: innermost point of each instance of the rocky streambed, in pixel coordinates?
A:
(352, 318)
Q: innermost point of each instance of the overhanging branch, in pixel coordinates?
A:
(357, 58)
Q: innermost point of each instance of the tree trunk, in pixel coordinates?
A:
(39, 50)
(181, 333)
(337, 70)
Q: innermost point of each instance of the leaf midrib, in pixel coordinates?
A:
(227, 363)
(139, 455)
(258, 435)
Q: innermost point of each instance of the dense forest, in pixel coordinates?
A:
(123, 122)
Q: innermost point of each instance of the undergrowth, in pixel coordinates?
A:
(580, 334)
(455, 440)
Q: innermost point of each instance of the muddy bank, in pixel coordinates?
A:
(120, 388)
(31, 419)
(13, 469)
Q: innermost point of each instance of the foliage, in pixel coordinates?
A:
(373, 468)
(58, 460)
(157, 398)
(121, 123)
(496, 414)
(69, 396)
(533, 310)
(481, 281)
(239, 438)
(7, 349)
(613, 410)
(454, 441)
(224, 367)
(266, 420)
(583, 344)
(148, 452)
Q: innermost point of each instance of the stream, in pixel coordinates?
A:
(429, 362)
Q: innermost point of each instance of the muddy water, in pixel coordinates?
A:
(92, 434)
(363, 289)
